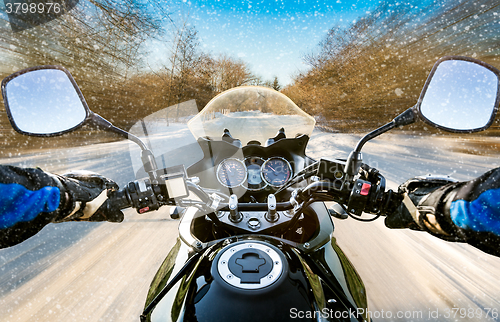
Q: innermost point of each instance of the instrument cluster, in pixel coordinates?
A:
(254, 172)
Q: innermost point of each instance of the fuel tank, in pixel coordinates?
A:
(255, 279)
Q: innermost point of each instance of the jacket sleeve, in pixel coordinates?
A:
(29, 200)
(470, 211)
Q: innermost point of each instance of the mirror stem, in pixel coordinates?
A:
(405, 118)
(147, 156)
(355, 159)
(374, 134)
(98, 120)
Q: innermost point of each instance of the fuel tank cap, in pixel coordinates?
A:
(250, 265)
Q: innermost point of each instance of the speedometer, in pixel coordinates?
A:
(276, 171)
(231, 172)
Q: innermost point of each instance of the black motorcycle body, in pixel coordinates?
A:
(317, 281)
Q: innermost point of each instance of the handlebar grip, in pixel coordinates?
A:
(119, 199)
(391, 202)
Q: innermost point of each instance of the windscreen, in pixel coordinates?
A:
(251, 113)
(167, 135)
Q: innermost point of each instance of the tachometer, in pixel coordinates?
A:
(276, 171)
(231, 172)
(254, 173)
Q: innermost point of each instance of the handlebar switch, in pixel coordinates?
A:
(359, 196)
(142, 196)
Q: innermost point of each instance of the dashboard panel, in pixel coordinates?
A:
(257, 172)
(252, 171)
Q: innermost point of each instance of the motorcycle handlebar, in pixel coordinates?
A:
(259, 206)
(141, 195)
(367, 194)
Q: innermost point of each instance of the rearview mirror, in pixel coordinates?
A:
(461, 94)
(44, 101)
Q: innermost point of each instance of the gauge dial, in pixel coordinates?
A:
(231, 173)
(276, 171)
(254, 173)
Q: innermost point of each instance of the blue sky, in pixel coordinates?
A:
(271, 36)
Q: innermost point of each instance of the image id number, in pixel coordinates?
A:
(471, 313)
(18, 7)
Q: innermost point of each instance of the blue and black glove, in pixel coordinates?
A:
(466, 211)
(31, 198)
(423, 204)
(87, 198)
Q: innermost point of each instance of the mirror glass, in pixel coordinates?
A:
(460, 96)
(44, 102)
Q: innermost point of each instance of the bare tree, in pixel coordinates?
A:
(228, 72)
(99, 41)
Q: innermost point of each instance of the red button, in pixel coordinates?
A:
(365, 189)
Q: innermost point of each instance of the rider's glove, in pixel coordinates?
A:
(422, 206)
(86, 198)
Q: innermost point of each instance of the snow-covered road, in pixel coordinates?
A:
(102, 271)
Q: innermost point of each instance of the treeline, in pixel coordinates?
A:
(362, 76)
(104, 44)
